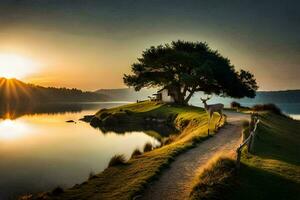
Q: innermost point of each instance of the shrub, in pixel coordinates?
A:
(117, 160)
(235, 104)
(246, 124)
(169, 139)
(92, 175)
(136, 153)
(267, 107)
(148, 147)
(57, 191)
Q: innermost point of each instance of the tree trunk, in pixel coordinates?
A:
(178, 95)
(186, 100)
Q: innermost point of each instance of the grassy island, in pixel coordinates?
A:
(127, 180)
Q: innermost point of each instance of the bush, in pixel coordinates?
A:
(136, 153)
(267, 107)
(235, 104)
(92, 175)
(148, 147)
(169, 139)
(117, 160)
(57, 191)
(246, 124)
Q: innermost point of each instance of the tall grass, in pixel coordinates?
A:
(117, 160)
(148, 147)
(216, 180)
(136, 153)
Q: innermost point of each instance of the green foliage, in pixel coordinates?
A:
(187, 67)
(117, 160)
(235, 104)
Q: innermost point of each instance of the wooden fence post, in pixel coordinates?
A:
(238, 159)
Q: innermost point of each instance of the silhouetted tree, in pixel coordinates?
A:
(187, 67)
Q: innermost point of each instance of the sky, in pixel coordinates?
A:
(90, 44)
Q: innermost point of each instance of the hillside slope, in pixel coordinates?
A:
(272, 171)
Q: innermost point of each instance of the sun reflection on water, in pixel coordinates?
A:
(10, 129)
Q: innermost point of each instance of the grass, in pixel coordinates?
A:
(136, 153)
(271, 172)
(216, 181)
(126, 181)
(148, 147)
(117, 160)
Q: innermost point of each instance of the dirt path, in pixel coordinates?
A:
(176, 182)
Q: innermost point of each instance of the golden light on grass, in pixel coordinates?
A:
(15, 66)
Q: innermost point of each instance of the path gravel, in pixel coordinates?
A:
(176, 182)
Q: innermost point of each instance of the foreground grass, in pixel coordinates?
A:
(128, 180)
(216, 181)
(271, 171)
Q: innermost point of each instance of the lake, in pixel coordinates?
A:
(39, 150)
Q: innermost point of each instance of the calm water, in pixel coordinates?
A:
(41, 151)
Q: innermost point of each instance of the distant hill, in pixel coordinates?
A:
(287, 96)
(126, 94)
(13, 91)
(288, 101)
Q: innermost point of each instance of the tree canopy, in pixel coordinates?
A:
(187, 67)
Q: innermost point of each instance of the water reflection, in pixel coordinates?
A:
(41, 151)
(10, 130)
(18, 110)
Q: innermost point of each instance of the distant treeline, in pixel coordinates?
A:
(13, 91)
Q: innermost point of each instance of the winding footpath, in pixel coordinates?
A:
(177, 181)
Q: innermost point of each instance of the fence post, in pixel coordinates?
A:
(238, 159)
(249, 142)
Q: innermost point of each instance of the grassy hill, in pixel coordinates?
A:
(272, 171)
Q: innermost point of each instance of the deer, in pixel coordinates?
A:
(211, 109)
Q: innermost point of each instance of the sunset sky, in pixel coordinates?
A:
(91, 44)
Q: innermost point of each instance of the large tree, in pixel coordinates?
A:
(187, 67)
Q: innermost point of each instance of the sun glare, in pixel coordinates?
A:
(15, 66)
(10, 130)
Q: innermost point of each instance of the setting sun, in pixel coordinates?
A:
(15, 66)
